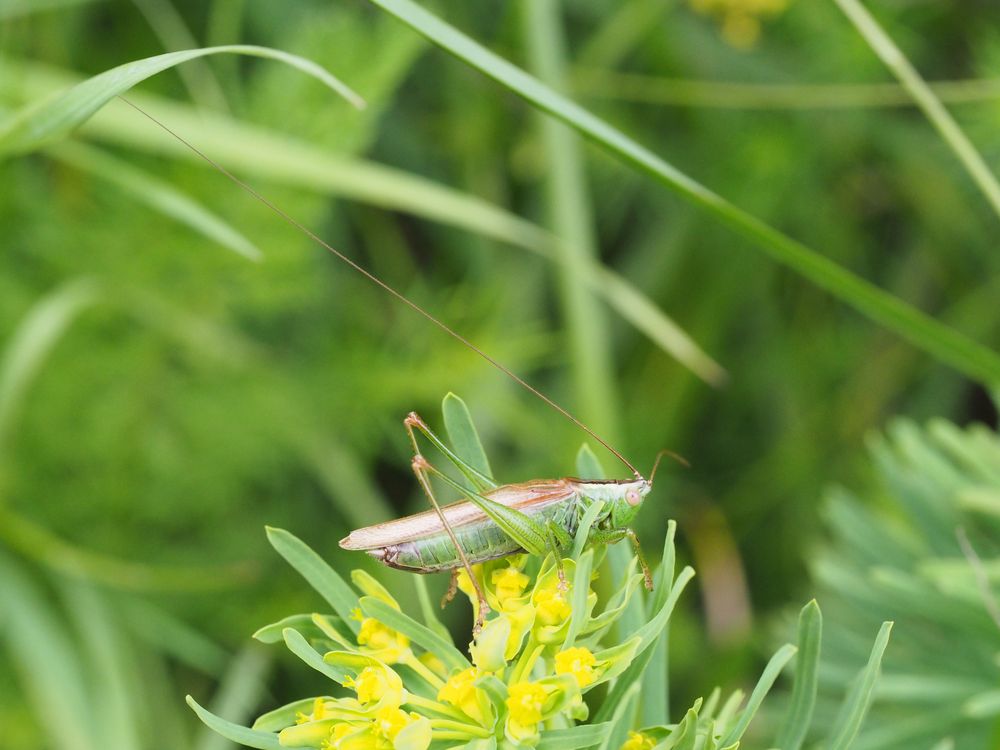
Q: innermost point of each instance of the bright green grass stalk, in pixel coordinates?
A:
(920, 329)
(573, 224)
(924, 96)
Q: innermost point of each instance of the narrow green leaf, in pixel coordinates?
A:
(894, 59)
(463, 436)
(587, 464)
(239, 693)
(654, 700)
(317, 573)
(581, 589)
(799, 716)
(427, 609)
(274, 632)
(51, 119)
(157, 194)
(583, 530)
(234, 732)
(279, 718)
(574, 738)
(35, 337)
(859, 697)
(419, 634)
(935, 338)
(647, 635)
(622, 718)
(299, 646)
(760, 691)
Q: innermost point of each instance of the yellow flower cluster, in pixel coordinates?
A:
(740, 20)
(530, 665)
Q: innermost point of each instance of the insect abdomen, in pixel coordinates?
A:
(480, 542)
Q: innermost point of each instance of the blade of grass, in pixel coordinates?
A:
(923, 331)
(568, 207)
(38, 543)
(680, 92)
(859, 698)
(34, 338)
(47, 660)
(49, 120)
(894, 59)
(174, 35)
(157, 194)
(800, 711)
(284, 160)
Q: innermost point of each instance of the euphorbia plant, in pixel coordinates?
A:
(553, 667)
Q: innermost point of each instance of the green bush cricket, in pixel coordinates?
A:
(490, 521)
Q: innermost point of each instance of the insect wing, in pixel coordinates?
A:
(524, 497)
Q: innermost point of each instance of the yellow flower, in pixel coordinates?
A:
(319, 709)
(338, 733)
(638, 741)
(370, 685)
(579, 662)
(552, 606)
(525, 701)
(509, 583)
(389, 721)
(460, 691)
(389, 645)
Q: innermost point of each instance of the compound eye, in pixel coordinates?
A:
(632, 497)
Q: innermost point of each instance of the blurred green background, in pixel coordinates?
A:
(164, 398)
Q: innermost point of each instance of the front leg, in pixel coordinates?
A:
(611, 536)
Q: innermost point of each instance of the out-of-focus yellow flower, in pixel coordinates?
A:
(579, 662)
(740, 20)
(461, 692)
(371, 684)
(509, 583)
(525, 701)
(638, 741)
(525, 706)
(382, 642)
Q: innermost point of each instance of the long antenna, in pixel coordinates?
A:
(377, 281)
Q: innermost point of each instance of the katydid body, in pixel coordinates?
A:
(421, 544)
(493, 521)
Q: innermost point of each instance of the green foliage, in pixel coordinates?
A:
(920, 546)
(167, 398)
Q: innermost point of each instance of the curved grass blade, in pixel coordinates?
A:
(317, 573)
(257, 151)
(760, 691)
(799, 717)
(234, 732)
(48, 120)
(34, 338)
(567, 203)
(38, 543)
(621, 720)
(419, 634)
(894, 59)
(928, 334)
(47, 660)
(859, 698)
(157, 194)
